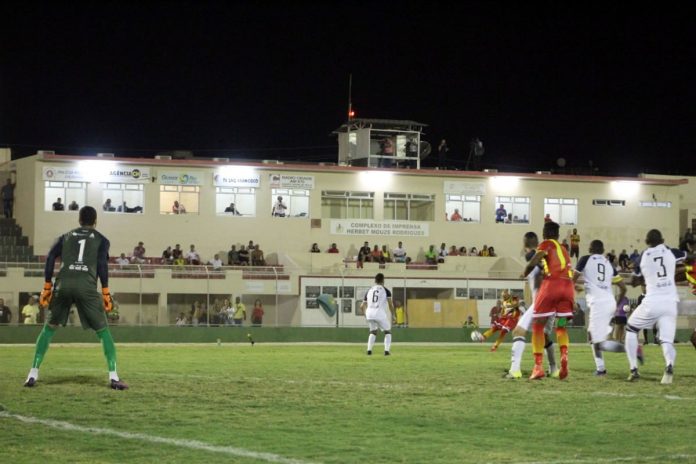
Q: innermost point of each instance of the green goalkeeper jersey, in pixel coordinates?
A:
(84, 254)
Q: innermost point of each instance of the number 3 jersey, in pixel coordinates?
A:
(598, 274)
(657, 266)
(84, 255)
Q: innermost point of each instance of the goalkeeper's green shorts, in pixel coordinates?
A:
(88, 301)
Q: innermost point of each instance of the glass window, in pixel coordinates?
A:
(185, 196)
(296, 202)
(122, 198)
(235, 201)
(337, 204)
(59, 196)
(466, 206)
(512, 210)
(409, 207)
(562, 210)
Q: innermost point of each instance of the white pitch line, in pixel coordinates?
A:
(613, 460)
(190, 444)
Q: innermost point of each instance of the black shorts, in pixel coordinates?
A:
(620, 320)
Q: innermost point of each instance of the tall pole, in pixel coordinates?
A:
(350, 100)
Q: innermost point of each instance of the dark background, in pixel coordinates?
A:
(608, 87)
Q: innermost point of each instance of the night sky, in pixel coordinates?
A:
(606, 84)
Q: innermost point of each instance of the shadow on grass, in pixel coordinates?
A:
(74, 379)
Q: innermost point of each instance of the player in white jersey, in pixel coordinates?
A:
(531, 242)
(599, 275)
(657, 269)
(378, 308)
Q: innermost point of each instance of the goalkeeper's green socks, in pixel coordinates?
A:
(109, 351)
(42, 344)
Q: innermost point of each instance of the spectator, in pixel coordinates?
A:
(400, 315)
(565, 245)
(386, 149)
(233, 256)
(411, 151)
(575, 244)
(178, 208)
(73, 206)
(484, 251)
(364, 254)
(216, 262)
(124, 208)
(58, 205)
(233, 210)
(177, 252)
(509, 219)
(386, 256)
(442, 253)
(192, 257)
(495, 312)
(239, 311)
(257, 258)
(547, 218)
(456, 216)
(332, 249)
(30, 311)
(279, 208)
(7, 193)
(257, 314)
(611, 256)
(243, 256)
(399, 253)
(107, 206)
(473, 251)
(501, 214)
(315, 248)
(376, 254)
(197, 312)
(431, 255)
(250, 247)
(181, 320)
(453, 251)
(5, 313)
(469, 323)
(624, 262)
(225, 312)
(442, 150)
(138, 256)
(167, 256)
(635, 259)
(491, 252)
(122, 260)
(463, 251)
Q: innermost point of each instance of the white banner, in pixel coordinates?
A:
(454, 187)
(94, 173)
(179, 178)
(228, 179)
(290, 182)
(383, 228)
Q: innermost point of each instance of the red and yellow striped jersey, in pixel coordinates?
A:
(556, 261)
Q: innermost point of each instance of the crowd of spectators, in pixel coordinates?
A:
(221, 312)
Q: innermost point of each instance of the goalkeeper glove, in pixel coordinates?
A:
(46, 295)
(108, 301)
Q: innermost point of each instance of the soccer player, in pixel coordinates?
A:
(506, 321)
(555, 298)
(84, 255)
(374, 305)
(531, 242)
(657, 269)
(599, 275)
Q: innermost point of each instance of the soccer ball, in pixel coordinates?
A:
(476, 336)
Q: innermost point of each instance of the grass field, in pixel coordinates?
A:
(332, 404)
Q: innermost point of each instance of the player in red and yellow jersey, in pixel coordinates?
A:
(555, 297)
(506, 321)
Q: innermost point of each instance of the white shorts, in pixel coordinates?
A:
(599, 325)
(378, 320)
(662, 312)
(525, 322)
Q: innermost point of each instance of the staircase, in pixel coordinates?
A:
(14, 247)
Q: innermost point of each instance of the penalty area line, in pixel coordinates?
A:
(612, 460)
(190, 444)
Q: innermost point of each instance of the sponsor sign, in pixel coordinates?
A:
(179, 178)
(230, 179)
(379, 228)
(123, 174)
(290, 182)
(454, 187)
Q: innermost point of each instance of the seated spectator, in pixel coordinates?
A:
(509, 219)
(453, 251)
(315, 248)
(431, 255)
(399, 253)
(167, 256)
(216, 262)
(257, 313)
(58, 205)
(178, 208)
(233, 210)
(243, 256)
(179, 261)
(364, 254)
(181, 320)
(257, 258)
(456, 216)
(500, 214)
(122, 260)
(376, 254)
(473, 251)
(73, 206)
(5, 313)
(138, 256)
(332, 249)
(442, 253)
(491, 252)
(124, 208)
(233, 256)
(386, 256)
(250, 246)
(107, 206)
(611, 256)
(279, 208)
(635, 259)
(463, 251)
(192, 256)
(484, 251)
(177, 252)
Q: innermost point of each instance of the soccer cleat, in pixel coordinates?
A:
(31, 381)
(667, 376)
(563, 373)
(494, 348)
(633, 376)
(369, 352)
(513, 375)
(601, 373)
(553, 372)
(118, 385)
(640, 356)
(537, 373)
(386, 353)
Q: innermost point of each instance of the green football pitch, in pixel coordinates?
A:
(333, 404)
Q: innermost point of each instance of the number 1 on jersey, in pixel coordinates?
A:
(82, 243)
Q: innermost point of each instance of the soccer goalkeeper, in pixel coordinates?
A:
(84, 255)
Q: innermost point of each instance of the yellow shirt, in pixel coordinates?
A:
(30, 312)
(239, 311)
(400, 315)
